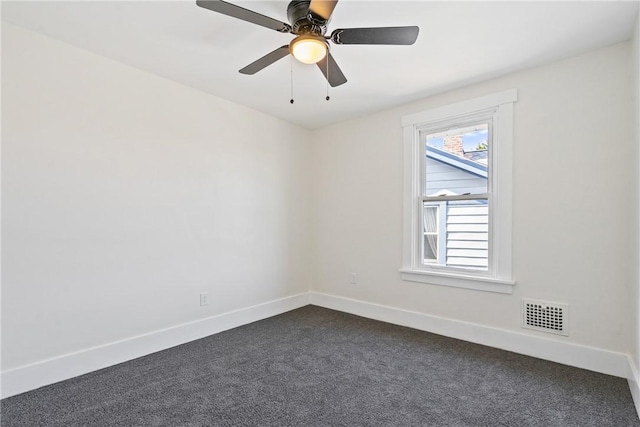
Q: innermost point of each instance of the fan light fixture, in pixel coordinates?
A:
(309, 49)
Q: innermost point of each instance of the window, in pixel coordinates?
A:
(455, 171)
(457, 194)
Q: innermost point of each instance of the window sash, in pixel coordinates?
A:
(469, 196)
(461, 227)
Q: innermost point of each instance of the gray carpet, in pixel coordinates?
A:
(318, 367)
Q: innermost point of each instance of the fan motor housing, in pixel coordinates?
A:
(301, 20)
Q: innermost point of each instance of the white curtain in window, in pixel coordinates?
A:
(431, 227)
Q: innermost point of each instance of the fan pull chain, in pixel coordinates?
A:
(327, 98)
(291, 65)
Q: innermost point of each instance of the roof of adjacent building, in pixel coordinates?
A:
(474, 162)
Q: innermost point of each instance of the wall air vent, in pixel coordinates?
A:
(545, 316)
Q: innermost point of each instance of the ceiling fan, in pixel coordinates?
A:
(308, 22)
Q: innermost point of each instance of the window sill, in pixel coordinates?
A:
(479, 283)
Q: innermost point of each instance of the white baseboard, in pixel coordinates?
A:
(30, 377)
(593, 359)
(634, 383)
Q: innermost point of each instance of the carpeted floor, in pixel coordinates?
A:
(318, 367)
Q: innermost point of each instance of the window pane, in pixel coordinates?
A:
(457, 160)
(430, 219)
(459, 237)
(430, 248)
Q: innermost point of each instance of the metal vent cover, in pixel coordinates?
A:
(545, 316)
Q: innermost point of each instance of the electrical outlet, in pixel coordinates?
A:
(354, 278)
(204, 298)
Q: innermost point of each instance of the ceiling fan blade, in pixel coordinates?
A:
(334, 76)
(244, 14)
(380, 35)
(322, 8)
(266, 60)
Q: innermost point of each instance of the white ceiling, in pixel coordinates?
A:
(459, 43)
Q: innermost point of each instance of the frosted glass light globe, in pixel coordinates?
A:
(308, 50)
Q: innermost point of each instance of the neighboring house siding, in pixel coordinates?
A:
(467, 235)
(442, 177)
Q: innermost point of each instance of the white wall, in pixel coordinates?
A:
(572, 165)
(635, 225)
(125, 195)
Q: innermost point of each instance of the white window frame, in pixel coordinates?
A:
(498, 277)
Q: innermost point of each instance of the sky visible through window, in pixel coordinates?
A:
(470, 140)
